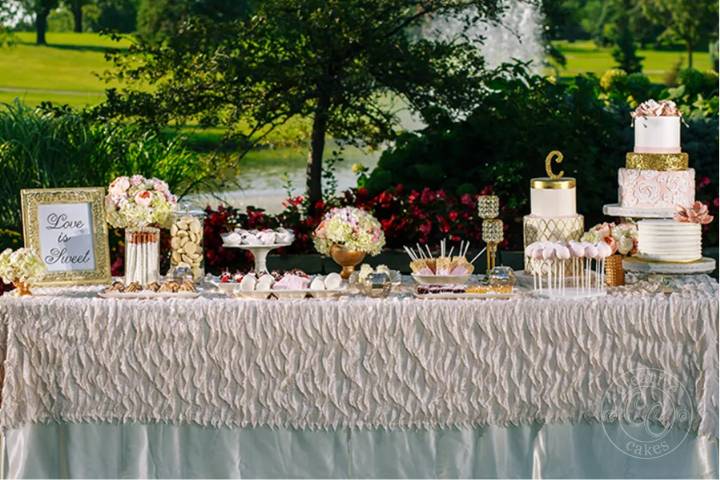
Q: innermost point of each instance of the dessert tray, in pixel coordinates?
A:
(290, 285)
(445, 269)
(147, 294)
(637, 265)
(287, 294)
(615, 210)
(461, 292)
(167, 289)
(441, 279)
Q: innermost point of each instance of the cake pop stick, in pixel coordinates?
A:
(478, 255)
(549, 254)
(604, 251)
(563, 253)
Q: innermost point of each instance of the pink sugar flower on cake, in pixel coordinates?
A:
(652, 108)
(697, 213)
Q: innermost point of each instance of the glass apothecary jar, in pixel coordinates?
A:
(186, 242)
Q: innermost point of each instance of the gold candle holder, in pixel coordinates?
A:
(488, 206)
(492, 234)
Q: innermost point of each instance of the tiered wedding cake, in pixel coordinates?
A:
(553, 214)
(656, 183)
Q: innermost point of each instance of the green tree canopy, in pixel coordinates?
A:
(343, 63)
(161, 19)
(688, 21)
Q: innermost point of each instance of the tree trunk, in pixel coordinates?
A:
(77, 16)
(689, 46)
(317, 145)
(41, 26)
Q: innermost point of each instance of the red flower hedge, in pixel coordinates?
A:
(407, 217)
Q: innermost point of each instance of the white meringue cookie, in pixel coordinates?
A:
(265, 282)
(267, 237)
(318, 283)
(333, 281)
(248, 282)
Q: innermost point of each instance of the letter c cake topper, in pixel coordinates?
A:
(558, 156)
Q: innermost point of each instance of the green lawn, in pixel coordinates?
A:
(585, 56)
(64, 71)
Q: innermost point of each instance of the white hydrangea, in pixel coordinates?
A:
(22, 265)
(351, 228)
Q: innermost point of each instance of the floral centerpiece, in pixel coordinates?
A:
(137, 202)
(348, 234)
(141, 206)
(22, 267)
(622, 239)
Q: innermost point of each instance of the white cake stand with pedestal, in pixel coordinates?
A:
(615, 210)
(260, 253)
(637, 265)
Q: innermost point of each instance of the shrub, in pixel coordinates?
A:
(59, 148)
(613, 79)
(503, 143)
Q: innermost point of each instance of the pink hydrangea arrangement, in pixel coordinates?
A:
(349, 227)
(622, 238)
(136, 202)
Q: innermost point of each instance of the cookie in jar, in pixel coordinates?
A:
(186, 242)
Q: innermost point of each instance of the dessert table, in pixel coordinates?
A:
(218, 387)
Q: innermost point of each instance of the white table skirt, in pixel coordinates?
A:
(361, 363)
(168, 451)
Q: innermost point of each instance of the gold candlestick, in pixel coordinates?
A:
(488, 206)
(492, 234)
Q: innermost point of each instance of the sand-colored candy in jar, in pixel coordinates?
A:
(186, 242)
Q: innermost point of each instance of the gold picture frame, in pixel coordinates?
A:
(56, 217)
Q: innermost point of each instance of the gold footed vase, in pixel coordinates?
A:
(22, 289)
(347, 259)
(614, 273)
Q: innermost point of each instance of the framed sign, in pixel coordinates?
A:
(66, 227)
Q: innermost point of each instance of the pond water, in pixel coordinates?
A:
(264, 184)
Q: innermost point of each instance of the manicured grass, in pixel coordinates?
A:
(64, 71)
(585, 56)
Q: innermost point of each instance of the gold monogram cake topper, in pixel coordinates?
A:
(558, 156)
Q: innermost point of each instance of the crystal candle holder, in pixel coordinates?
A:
(492, 230)
(488, 206)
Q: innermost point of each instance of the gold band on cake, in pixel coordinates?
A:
(656, 161)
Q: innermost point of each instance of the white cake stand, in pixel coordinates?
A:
(260, 253)
(571, 293)
(636, 265)
(615, 210)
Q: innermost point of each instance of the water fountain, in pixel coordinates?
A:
(517, 35)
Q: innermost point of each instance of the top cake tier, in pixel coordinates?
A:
(551, 197)
(657, 127)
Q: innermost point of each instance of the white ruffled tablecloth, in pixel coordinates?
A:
(358, 362)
